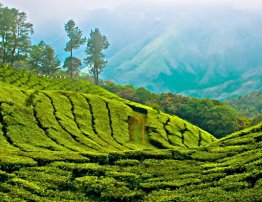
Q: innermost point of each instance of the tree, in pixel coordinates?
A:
(43, 58)
(215, 117)
(72, 65)
(76, 39)
(96, 43)
(14, 35)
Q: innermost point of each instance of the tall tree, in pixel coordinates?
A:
(72, 64)
(15, 34)
(43, 58)
(76, 39)
(96, 43)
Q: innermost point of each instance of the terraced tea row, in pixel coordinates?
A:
(90, 145)
(64, 121)
(229, 169)
(30, 81)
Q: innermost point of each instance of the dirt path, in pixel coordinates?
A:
(136, 128)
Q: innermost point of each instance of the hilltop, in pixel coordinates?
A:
(68, 140)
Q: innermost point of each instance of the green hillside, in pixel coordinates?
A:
(89, 118)
(68, 140)
(249, 105)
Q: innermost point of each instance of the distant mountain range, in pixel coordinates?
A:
(248, 82)
(217, 57)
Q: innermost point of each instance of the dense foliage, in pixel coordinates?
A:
(15, 34)
(213, 116)
(43, 59)
(65, 161)
(249, 105)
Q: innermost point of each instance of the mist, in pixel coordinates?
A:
(122, 21)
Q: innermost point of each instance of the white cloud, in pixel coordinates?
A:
(61, 10)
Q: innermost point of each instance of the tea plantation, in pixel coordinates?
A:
(67, 140)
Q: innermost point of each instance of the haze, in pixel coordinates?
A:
(207, 43)
(116, 18)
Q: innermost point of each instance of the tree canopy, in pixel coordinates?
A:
(76, 39)
(96, 43)
(15, 34)
(43, 58)
(72, 65)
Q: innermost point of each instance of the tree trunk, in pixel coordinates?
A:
(15, 35)
(96, 74)
(4, 55)
(97, 80)
(12, 59)
(71, 68)
(4, 50)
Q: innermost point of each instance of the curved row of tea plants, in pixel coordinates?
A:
(95, 120)
(226, 170)
(90, 145)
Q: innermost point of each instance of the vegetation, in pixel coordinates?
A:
(95, 58)
(213, 116)
(14, 35)
(43, 60)
(65, 139)
(68, 140)
(16, 48)
(76, 39)
(249, 105)
(60, 113)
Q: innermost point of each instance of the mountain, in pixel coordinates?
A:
(249, 105)
(248, 82)
(220, 54)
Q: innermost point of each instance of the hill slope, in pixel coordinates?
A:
(219, 59)
(229, 169)
(249, 105)
(93, 120)
(58, 145)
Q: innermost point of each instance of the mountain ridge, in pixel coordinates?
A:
(185, 57)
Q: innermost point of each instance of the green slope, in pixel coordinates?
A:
(68, 140)
(226, 170)
(249, 105)
(89, 119)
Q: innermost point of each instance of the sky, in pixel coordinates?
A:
(59, 10)
(122, 21)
